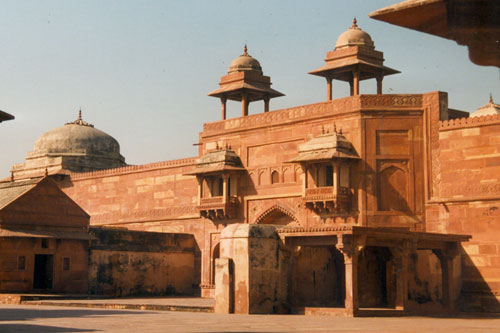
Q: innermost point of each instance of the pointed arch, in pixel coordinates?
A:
(276, 208)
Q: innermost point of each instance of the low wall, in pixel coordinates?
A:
(124, 262)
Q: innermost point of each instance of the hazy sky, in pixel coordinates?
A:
(141, 70)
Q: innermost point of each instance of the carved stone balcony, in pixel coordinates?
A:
(216, 208)
(325, 200)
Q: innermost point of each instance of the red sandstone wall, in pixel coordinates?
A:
(469, 202)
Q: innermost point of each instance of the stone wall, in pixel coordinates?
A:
(126, 262)
(469, 203)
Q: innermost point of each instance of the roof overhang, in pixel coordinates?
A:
(5, 116)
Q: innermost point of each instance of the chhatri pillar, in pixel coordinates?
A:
(245, 83)
(354, 59)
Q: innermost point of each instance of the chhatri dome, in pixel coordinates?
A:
(490, 109)
(245, 82)
(77, 146)
(353, 59)
(245, 62)
(354, 36)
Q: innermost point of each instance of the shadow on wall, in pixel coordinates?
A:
(476, 294)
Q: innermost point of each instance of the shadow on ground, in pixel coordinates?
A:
(20, 314)
(6, 328)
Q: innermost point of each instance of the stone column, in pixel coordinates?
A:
(244, 104)
(200, 188)
(225, 190)
(347, 248)
(379, 84)
(336, 185)
(266, 103)
(223, 101)
(329, 88)
(400, 259)
(304, 184)
(449, 283)
(355, 82)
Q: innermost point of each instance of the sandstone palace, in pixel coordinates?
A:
(367, 204)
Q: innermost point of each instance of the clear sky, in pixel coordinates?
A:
(141, 70)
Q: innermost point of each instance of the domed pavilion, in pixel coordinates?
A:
(354, 59)
(75, 147)
(245, 83)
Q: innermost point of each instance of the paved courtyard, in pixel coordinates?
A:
(29, 318)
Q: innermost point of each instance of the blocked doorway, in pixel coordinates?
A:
(318, 278)
(43, 274)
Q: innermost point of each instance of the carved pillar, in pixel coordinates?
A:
(379, 84)
(355, 82)
(244, 104)
(266, 103)
(400, 261)
(346, 247)
(329, 88)
(351, 86)
(223, 101)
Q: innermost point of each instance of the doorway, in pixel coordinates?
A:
(44, 271)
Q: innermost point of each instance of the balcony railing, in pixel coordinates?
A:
(324, 199)
(215, 207)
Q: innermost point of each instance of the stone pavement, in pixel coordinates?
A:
(29, 318)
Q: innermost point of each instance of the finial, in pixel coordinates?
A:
(217, 145)
(491, 99)
(340, 130)
(46, 172)
(79, 120)
(354, 22)
(245, 49)
(335, 127)
(11, 176)
(322, 129)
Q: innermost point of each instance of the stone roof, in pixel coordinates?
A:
(325, 147)
(10, 191)
(217, 161)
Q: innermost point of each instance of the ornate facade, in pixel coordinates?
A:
(340, 206)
